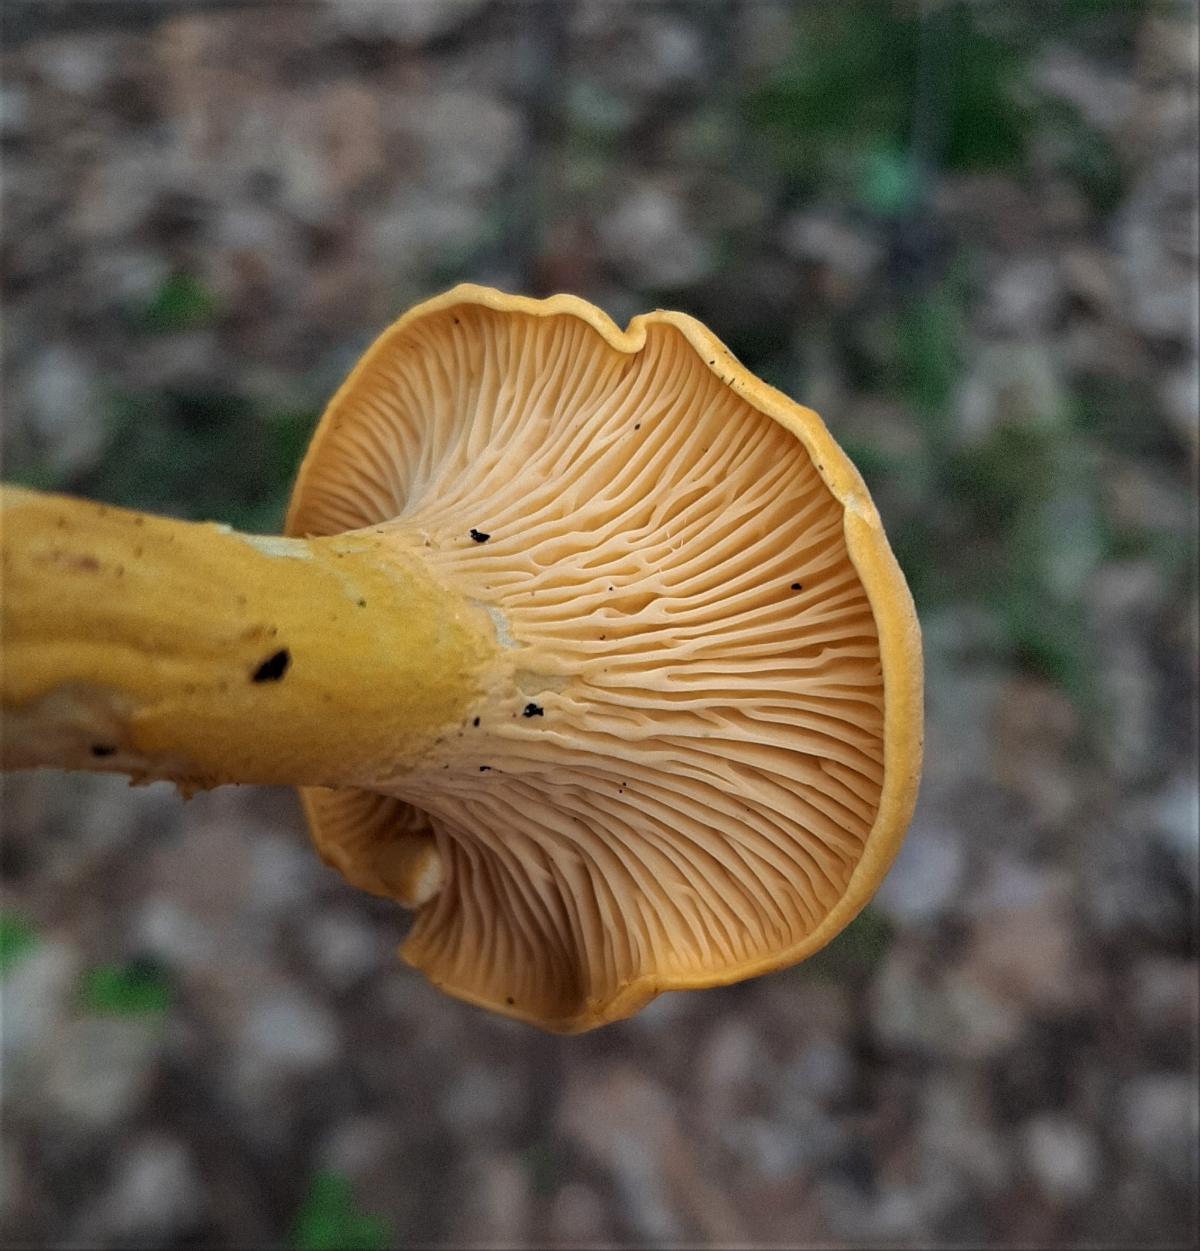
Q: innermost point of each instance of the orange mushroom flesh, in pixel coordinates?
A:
(642, 709)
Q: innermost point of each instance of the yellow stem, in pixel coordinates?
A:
(171, 649)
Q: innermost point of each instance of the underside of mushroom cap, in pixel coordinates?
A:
(705, 751)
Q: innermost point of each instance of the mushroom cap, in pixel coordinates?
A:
(706, 748)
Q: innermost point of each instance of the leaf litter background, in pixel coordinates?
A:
(967, 235)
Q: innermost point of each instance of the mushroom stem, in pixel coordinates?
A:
(187, 651)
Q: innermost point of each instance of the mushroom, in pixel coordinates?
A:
(584, 643)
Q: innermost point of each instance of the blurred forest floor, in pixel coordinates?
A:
(969, 239)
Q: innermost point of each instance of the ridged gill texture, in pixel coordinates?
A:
(680, 774)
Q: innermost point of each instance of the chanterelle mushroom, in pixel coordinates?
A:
(588, 645)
